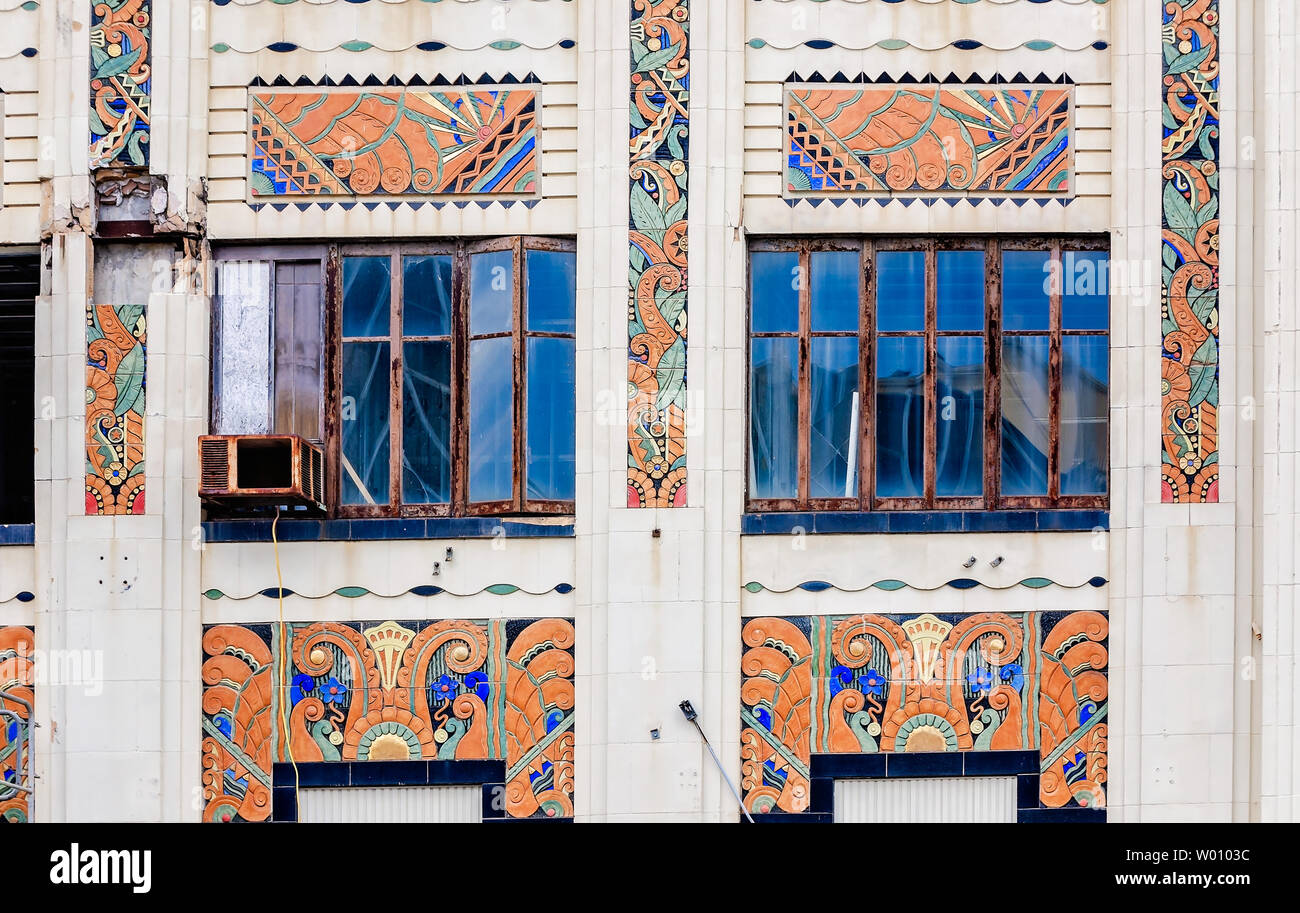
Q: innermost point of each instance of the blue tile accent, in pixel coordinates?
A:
(821, 795)
(1073, 519)
(299, 530)
(790, 818)
(494, 801)
(398, 528)
(466, 772)
(997, 521)
(370, 529)
(923, 521)
(845, 766)
(310, 774)
(284, 804)
(390, 773)
(924, 764)
(852, 522)
(17, 533)
(1000, 763)
(1061, 816)
(1027, 791)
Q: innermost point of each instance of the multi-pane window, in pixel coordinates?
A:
(446, 375)
(928, 374)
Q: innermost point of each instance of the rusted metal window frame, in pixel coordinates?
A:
(459, 505)
(992, 247)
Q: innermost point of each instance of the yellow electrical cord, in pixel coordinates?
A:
(284, 691)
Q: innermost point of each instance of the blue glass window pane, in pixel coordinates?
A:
(367, 298)
(492, 292)
(491, 419)
(1025, 415)
(960, 278)
(774, 418)
(835, 285)
(551, 420)
(551, 291)
(365, 421)
(833, 423)
(1026, 280)
(774, 304)
(426, 296)
(426, 422)
(900, 290)
(1085, 298)
(1085, 367)
(900, 417)
(959, 400)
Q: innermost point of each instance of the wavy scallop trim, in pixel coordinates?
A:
(356, 592)
(356, 45)
(399, 2)
(961, 583)
(898, 44)
(20, 596)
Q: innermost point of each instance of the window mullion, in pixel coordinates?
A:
(520, 422)
(992, 374)
(395, 383)
(459, 381)
(805, 373)
(333, 356)
(931, 371)
(866, 376)
(1054, 380)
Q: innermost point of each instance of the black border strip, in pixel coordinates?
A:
(1023, 765)
(490, 775)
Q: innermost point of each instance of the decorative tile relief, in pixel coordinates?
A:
(120, 79)
(115, 391)
(356, 592)
(928, 139)
(17, 646)
(469, 140)
(396, 691)
(895, 683)
(659, 163)
(1190, 253)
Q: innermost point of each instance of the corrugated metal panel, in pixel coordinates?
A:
(392, 805)
(927, 800)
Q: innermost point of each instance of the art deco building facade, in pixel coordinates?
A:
(405, 405)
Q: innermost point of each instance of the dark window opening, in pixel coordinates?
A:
(20, 282)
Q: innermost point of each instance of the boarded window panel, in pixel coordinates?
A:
(392, 805)
(926, 800)
(242, 373)
(298, 350)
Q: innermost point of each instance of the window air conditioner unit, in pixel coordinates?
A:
(261, 469)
